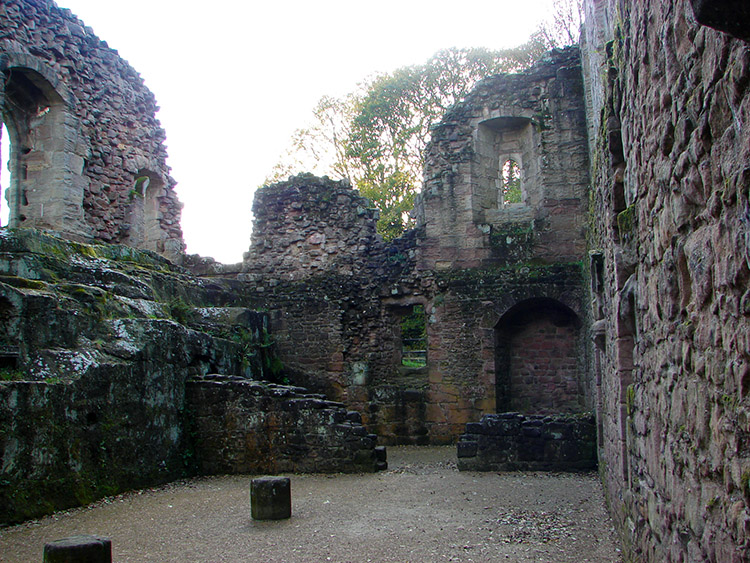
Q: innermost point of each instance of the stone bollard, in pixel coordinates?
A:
(270, 498)
(79, 549)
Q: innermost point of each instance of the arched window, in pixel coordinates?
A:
(45, 185)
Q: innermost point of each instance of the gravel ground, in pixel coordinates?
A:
(421, 510)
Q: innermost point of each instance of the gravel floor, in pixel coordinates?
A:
(421, 509)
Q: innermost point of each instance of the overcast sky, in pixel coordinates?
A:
(234, 79)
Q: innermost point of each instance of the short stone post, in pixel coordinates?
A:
(79, 549)
(270, 498)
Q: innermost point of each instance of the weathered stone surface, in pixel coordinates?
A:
(537, 118)
(94, 133)
(669, 220)
(98, 343)
(243, 426)
(514, 442)
(338, 292)
(271, 498)
(79, 549)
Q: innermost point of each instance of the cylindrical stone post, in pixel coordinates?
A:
(79, 549)
(270, 498)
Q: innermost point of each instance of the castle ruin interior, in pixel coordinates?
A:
(608, 309)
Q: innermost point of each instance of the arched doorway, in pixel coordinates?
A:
(539, 359)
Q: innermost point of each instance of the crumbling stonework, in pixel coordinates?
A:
(536, 118)
(245, 426)
(337, 292)
(513, 442)
(670, 111)
(329, 229)
(99, 349)
(88, 159)
(650, 329)
(96, 345)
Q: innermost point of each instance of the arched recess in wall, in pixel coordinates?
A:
(538, 359)
(508, 167)
(46, 184)
(145, 228)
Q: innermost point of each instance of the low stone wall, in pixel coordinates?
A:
(515, 442)
(244, 426)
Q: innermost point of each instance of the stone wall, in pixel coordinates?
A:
(474, 326)
(88, 159)
(536, 118)
(310, 225)
(337, 292)
(514, 442)
(670, 105)
(335, 306)
(96, 343)
(243, 426)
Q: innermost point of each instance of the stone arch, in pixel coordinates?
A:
(46, 175)
(538, 359)
(500, 140)
(145, 215)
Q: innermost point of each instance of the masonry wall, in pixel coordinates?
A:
(84, 136)
(537, 118)
(337, 292)
(514, 442)
(669, 108)
(244, 426)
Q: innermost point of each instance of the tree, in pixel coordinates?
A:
(563, 27)
(376, 136)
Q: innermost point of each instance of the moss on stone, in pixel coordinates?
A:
(627, 221)
(22, 283)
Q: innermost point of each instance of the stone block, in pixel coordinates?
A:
(467, 449)
(380, 453)
(79, 549)
(271, 498)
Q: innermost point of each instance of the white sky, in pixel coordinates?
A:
(234, 79)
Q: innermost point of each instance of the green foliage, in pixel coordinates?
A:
(511, 185)
(12, 374)
(376, 136)
(180, 311)
(413, 337)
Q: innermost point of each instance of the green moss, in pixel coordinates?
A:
(630, 399)
(22, 283)
(179, 310)
(745, 483)
(12, 374)
(626, 221)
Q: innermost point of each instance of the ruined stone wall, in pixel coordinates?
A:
(514, 442)
(536, 118)
(670, 254)
(84, 136)
(337, 293)
(470, 345)
(310, 225)
(96, 343)
(243, 426)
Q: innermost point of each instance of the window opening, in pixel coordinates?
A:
(414, 338)
(511, 182)
(4, 175)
